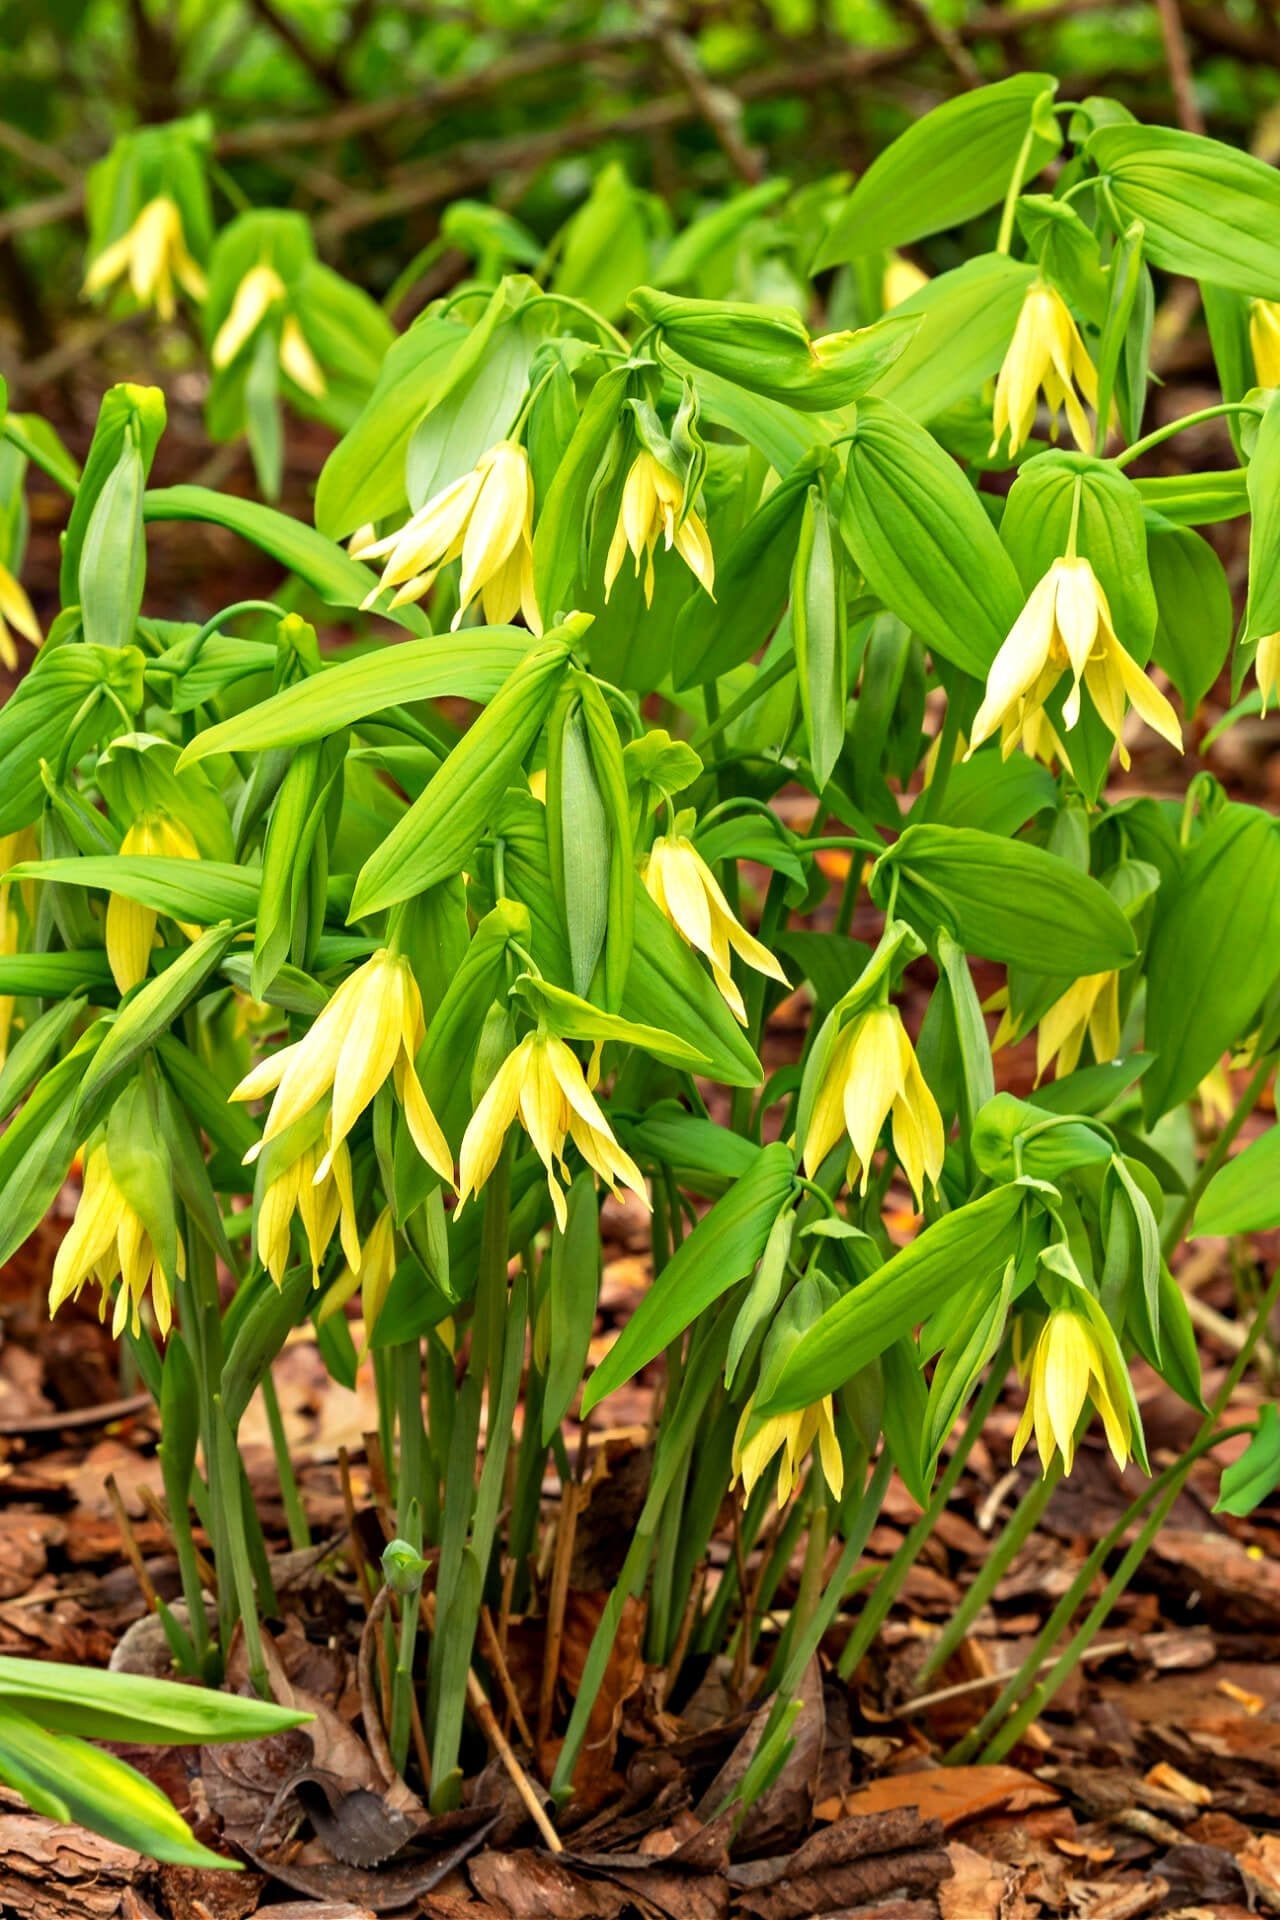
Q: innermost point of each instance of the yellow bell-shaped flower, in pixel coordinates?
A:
(1067, 1367)
(321, 1200)
(485, 519)
(259, 291)
(872, 1077)
(17, 612)
(107, 1241)
(1046, 355)
(1266, 667)
(372, 1027)
(542, 1083)
(154, 254)
(651, 508)
(1264, 341)
(131, 926)
(794, 1436)
(1066, 627)
(901, 279)
(683, 887)
(1091, 1005)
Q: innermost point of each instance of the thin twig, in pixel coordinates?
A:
(985, 1681)
(494, 1654)
(487, 1721)
(1179, 63)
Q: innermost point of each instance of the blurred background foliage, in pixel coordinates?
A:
(374, 117)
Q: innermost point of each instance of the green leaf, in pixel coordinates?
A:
(1006, 900)
(128, 413)
(151, 1010)
(1207, 210)
(67, 1779)
(199, 890)
(975, 1241)
(1196, 499)
(1194, 618)
(113, 557)
(132, 1707)
(993, 794)
(1244, 1195)
(917, 530)
(560, 537)
(1247, 1481)
(752, 582)
(363, 478)
(54, 698)
(821, 637)
(668, 987)
(354, 690)
(572, 1294)
(1214, 953)
(443, 827)
(954, 163)
(721, 1250)
(47, 974)
(339, 580)
(37, 1147)
(1262, 614)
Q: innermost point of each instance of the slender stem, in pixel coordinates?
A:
(1004, 239)
(1042, 1691)
(763, 683)
(295, 1518)
(936, 791)
(1244, 1106)
(887, 1587)
(1173, 1477)
(1159, 434)
(983, 1585)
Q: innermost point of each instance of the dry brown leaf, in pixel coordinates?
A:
(949, 1794)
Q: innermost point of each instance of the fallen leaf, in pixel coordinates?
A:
(949, 1794)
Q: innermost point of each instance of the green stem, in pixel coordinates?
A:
(1244, 1106)
(1004, 239)
(936, 791)
(984, 1583)
(1006, 1735)
(1153, 439)
(888, 1586)
(763, 683)
(1171, 1480)
(295, 1518)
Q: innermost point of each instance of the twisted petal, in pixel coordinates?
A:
(1020, 662)
(260, 289)
(487, 1128)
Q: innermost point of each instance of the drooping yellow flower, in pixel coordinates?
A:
(1266, 667)
(15, 611)
(485, 519)
(372, 1273)
(131, 927)
(1264, 341)
(372, 1027)
(322, 1201)
(652, 500)
(873, 1076)
(107, 1241)
(1046, 355)
(901, 279)
(1066, 627)
(259, 291)
(1068, 1365)
(154, 254)
(1215, 1095)
(541, 1081)
(683, 887)
(794, 1436)
(1090, 1005)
